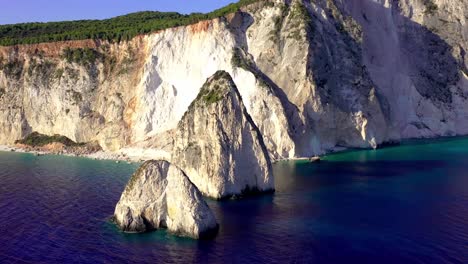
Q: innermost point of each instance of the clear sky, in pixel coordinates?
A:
(18, 11)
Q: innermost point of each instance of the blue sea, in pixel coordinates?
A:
(402, 204)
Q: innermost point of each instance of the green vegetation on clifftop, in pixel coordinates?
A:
(213, 90)
(114, 29)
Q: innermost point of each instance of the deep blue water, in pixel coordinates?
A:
(405, 204)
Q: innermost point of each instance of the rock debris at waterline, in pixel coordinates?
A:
(160, 195)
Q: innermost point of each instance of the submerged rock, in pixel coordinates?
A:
(218, 145)
(160, 195)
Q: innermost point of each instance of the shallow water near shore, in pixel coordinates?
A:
(401, 204)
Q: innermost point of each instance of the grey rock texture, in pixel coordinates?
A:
(218, 145)
(160, 195)
(415, 54)
(315, 76)
(298, 78)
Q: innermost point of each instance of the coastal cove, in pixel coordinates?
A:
(266, 131)
(406, 203)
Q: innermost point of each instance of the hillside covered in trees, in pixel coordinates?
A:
(113, 29)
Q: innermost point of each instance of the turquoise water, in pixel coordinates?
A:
(404, 204)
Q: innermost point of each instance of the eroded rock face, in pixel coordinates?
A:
(422, 45)
(315, 76)
(160, 195)
(218, 145)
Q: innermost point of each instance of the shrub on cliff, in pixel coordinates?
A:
(12, 69)
(36, 139)
(431, 7)
(84, 56)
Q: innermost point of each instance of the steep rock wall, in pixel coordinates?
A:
(84, 100)
(219, 146)
(160, 195)
(315, 76)
(415, 53)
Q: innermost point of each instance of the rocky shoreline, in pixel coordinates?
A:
(99, 155)
(104, 155)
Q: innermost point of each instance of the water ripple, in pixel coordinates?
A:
(388, 206)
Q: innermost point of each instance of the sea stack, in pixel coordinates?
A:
(160, 195)
(218, 145)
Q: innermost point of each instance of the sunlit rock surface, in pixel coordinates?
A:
(315, 76)
(218, 145)
(160, 195)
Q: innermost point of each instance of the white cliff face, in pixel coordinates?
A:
(160, 195)
(218, 145)
(85, 101)
(313, 75)
(422, 44)
(315, 60)
(181, 60)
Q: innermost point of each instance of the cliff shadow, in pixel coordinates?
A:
(336, 55)
(239, 26)
(337, 62)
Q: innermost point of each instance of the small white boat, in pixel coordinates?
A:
(311, 159)
(314, 159)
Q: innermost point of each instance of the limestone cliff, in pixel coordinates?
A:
(315, 76)
(84, 99)
(159, 195)
(218, 145)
